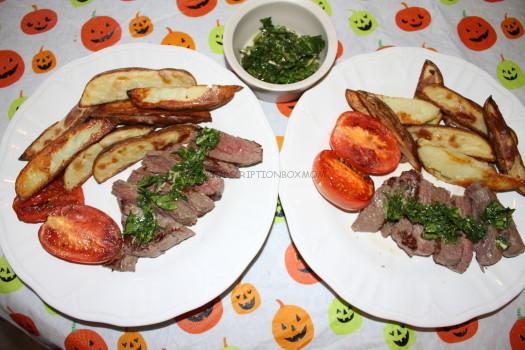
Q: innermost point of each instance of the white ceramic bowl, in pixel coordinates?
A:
(302, 16)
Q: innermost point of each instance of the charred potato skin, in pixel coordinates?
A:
(50, 162)
(430, 74)
(123, 154)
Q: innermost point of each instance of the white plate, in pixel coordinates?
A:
(371, 272)
(188, 275)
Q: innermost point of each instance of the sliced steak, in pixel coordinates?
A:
(200, 202)
(184, 213)
(159, 162)
(487, 251)
(480, 196)
(456, 256)
(466, 256)
(124, 191)
(237, 150)
(213, 187)
(126, 263)
(512, 235)
(408, 237)
(222, 168)
(463, 204)
(160, 243)
(138, 174)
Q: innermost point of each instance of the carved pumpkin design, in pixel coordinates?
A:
(297, 268)
(399, 336)
(458, 333)
(100, 32)
(131, 341)
(9, 282)
(413, 18)
(362, 22)
(11, 67)
(512, 27)
(325, 5)
(476, 33)
(245, 298)
(292, 327)
(24, 321)
(343, 318)
(140, 26)
(201, 319)
(510, 74)
(84, 339)
(196, 8)
(340, 50)
(6, 274)
(286, 108)
(178, 39)
(517, 333)
(43, 61)
(38, 21)
(215, 38)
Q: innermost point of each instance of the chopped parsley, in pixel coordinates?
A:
(163, 190)
(280, 56)
(497, 215)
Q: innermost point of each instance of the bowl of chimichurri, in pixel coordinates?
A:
(280, 48)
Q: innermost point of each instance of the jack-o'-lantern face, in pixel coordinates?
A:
(24, 321)
(292, 327)
(297, 268)
(245, 298)
(458, 333)
(325, 5)
(131, 341)
(38, 21)
(13, 107)
(510, 74)
(140, 26)
(84, 339)
(196, 8)
(43, 61)
(11, 67)
(512, 27)
(476, 33)
(517, 333)
(342, 317)
(178, 39)
(100, 32)
(9, 282)
(362, 22)
(286, 108)
(399, 336)
(215, 38)
(412, 18)
(201, 319)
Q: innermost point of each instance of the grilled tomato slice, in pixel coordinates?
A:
(37, 207)
(365, 143)
(340, 184)
(81, 234)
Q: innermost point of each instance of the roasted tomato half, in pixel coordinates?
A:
(365, 143)
(340, 184)
(81, 234)
(37, 207)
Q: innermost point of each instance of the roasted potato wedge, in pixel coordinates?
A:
(76, 116)
(123, 154)
(460, 140)
(430, 74)
(113, 85)
(198, 97)
(81, 168)
(508, 157)
(352, 97)
(50, 162)
(459, 169)
(381, 111)
(458, 108)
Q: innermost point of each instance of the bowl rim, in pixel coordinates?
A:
(314, 9)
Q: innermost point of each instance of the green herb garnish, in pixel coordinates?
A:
(497, 215)
(502, 242)
(163, 190)
(280, 56)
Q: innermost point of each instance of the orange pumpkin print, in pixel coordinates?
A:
(38, 21)
(476, 33)
(380, 45)
(100, 32)
(43, 61)
(297, 268)
(292, 327)
(280, 140)
(201, 319)
(24, 321)
(11, 67)
(140, 26)
(131, 341)
(196, 8)
(286, 108)
(458, 333)
(84, 339)
(234, 2)
(340, 50)
(512, 27)
(517, 333)
(245, 298)
(413, 18)
(178, 39)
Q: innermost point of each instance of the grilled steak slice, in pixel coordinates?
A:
(163, 241)
(200, 202)
(428, 193)
(222, 169)
(124, 191)
(456, 256)
(237, 150)
(480, 196)
(138, 174)
(213, 187)
(408, 237)
(126, 263)
(512, 235)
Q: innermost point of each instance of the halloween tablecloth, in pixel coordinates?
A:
(39, 36)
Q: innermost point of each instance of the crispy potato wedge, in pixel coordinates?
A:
(80, 169)
(198, 97)
(508, 157)
(123, 154)
(352, 97)
(381, 111)
(458, 108)
(76, 116)
(460, 140)
(411, 111)
(430, 74)
(459, 169)
(113, 85)
(50, 162)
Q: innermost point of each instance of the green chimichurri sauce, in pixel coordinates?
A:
(280, 56)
